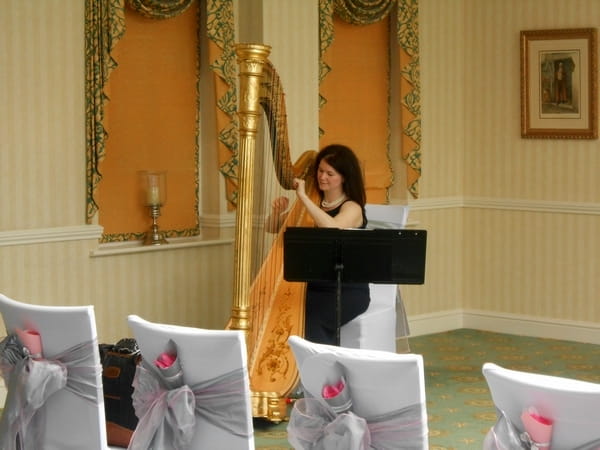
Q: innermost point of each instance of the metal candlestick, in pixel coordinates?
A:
(153, 235)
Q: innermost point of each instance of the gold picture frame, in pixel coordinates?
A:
(559, 83)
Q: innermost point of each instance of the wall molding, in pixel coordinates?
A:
(544, 206)
(46, 235)
(89, 232)
(112, 249)
(423, 204)
(436, 322)
(227, 220)
(540, 327)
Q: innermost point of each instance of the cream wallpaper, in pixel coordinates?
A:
(513, 225)
(186, 286)
(42, 134)
(527, 240)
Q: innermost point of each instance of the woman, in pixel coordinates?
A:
(342, 198)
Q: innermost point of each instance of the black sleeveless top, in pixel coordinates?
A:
(335, 211)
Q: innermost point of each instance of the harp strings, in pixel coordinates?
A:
(270, 161)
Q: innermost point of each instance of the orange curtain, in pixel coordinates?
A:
(357, 92)
(151, 123)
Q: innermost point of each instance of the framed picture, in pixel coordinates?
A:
(559, 82)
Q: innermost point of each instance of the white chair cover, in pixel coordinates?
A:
(375, 329)
(380, 383)
(385, 319)
(386, 216)
(391, 216)
(70, 421)
(204, 355)
(572, 405)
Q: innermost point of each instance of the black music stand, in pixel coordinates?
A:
(356, 255)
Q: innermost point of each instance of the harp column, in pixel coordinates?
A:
(251, 60)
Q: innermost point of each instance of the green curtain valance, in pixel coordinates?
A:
(363, 12)
(159, 9)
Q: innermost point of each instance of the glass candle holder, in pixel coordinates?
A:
(154, 186)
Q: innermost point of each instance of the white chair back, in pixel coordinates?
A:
(71, 422)
(386, 216)
(375, 329)
(572, 405)
(380, 382)
(204, 355)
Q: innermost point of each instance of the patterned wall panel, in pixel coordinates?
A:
(498, 163)
(537, 264)
(41, 113)
(443, 287)
(290, 28)
(190, 286)
(442, 53)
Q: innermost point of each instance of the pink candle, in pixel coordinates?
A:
(165, 360)
(332, 390)
(32, 340)
(538, 427)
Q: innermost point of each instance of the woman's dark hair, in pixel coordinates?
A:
(345, 162)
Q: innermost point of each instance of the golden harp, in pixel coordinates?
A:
(266, 307)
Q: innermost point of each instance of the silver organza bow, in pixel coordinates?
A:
(330, 424)
(313, 425)
(168, 408)
(31, 382)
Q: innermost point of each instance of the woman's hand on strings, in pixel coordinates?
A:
(279, 205)
(300, 187)
(278, 214)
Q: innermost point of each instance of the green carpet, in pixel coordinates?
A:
(459, 406)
